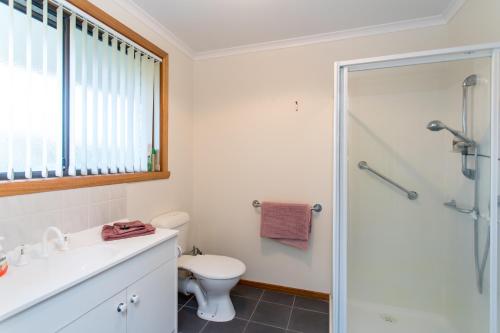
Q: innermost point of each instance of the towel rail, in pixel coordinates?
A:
(315, 208)
(412, 195)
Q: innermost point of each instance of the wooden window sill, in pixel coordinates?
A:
(27, 186)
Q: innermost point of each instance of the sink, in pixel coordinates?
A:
(88, 255)
(82, 258)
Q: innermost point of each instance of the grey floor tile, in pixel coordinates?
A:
(276, 297)
(246, 291)
(311, 304)
(182, 299)
(243, 306)
(308, 321)
(272, 314)
(192, 303)
(233, 326)
(259, 328)
(189, 322)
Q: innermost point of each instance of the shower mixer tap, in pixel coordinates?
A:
(453, 205)
(461, 143)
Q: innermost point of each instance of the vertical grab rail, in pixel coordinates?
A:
(412, 195)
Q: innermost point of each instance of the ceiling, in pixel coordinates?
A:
(203, 26)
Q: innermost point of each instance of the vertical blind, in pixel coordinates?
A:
(111, 122)
(31, 104)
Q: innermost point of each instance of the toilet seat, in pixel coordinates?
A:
(212, 266)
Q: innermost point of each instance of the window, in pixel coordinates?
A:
(84, 99)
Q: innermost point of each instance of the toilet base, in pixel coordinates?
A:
(219, 308)
(214, 301)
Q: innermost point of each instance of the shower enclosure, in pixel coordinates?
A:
(416, 193)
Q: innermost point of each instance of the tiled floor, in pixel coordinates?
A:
(259, 311)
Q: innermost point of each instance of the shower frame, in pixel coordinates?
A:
(338, 313)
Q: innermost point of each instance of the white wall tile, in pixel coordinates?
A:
(75, 219)
(98, 214)
(41, 221)
(25, 230)
(98, 194)
(75, 198)
(10, 207)
(40, 202)
(117, 209)
(23, 219)
(117, 191)
(9, 228)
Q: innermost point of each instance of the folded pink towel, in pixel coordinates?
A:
(120, 230)
(289, 224)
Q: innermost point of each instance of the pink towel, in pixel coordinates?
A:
(120, 230)
(289, 224)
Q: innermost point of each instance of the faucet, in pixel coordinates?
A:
(61, 241)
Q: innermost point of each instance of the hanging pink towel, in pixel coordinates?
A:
(289, 224)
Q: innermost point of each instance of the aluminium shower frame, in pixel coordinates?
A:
(338, 313)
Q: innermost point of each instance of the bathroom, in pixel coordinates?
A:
(252, 116)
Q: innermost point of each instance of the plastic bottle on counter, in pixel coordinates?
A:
(4, 264)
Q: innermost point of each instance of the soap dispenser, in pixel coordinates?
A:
(4, 265)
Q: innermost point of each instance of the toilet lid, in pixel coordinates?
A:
(212, 267)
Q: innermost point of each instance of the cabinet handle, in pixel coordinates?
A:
(134, 299)
(122, 307)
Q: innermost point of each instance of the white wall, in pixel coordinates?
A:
(23, 218)
(477, 22)
(251, 144)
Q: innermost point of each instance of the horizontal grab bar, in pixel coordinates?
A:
(412, 195)
(316, 208)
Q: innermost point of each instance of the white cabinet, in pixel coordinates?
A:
(105, 318)
(148, 305)
(146, 311)
(145, 286)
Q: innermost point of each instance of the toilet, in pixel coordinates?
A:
(209, 277)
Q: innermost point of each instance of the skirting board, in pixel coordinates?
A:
(288, 290)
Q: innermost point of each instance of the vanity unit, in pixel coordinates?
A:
(124, 286)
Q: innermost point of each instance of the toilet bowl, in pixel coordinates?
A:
(209, 277)
(212, 279)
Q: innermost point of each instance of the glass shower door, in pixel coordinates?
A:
(415, 170)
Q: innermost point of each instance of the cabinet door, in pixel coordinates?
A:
(105, 318)
(152, 301)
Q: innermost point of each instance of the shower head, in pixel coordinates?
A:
(470, 81)
(437, 125)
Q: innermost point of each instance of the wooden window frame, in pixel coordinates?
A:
(26, 186)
